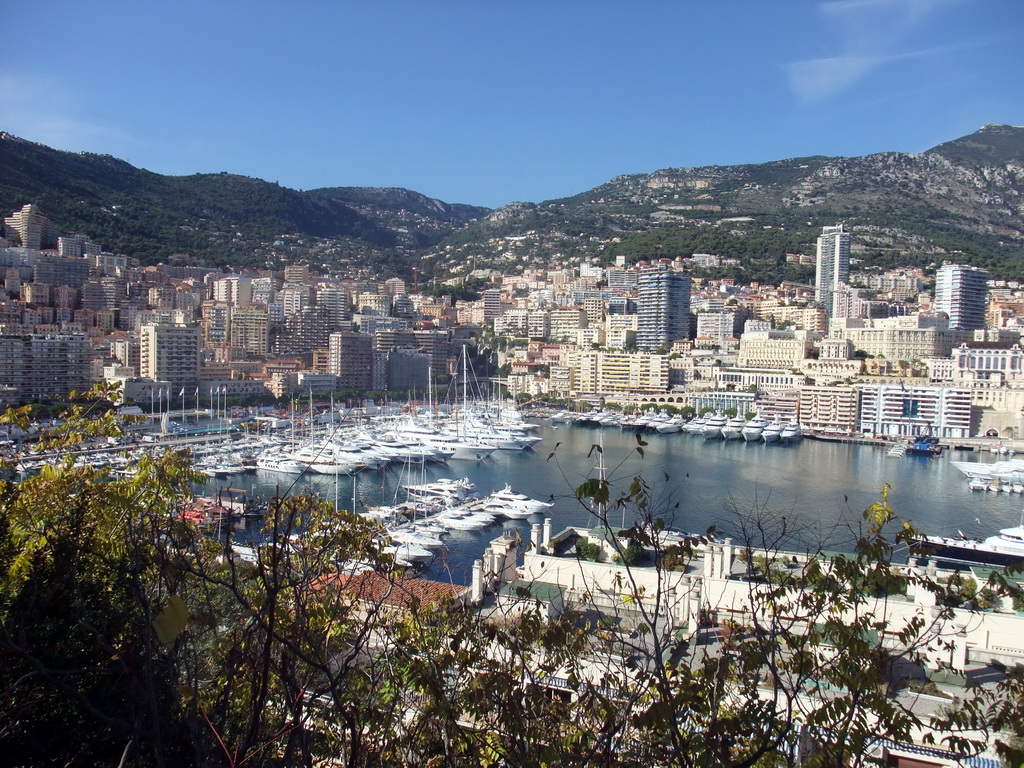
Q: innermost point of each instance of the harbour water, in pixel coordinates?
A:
(821, 488)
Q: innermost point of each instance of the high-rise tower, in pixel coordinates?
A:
(663, 309)
(833, 265)
(962, 293)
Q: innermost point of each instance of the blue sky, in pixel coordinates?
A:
(487, 102)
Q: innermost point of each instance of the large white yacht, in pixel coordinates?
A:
(791, 432)
(276, 462)
(1005, 548)
(509, 503)
(712, 429)
(752, 429)
(696, 426)
(322, 457)
(733, 429)
(466, 448)
(772, 431)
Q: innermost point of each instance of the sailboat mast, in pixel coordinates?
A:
(465, 390)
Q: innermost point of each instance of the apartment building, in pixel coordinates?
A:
(961, 292)
(234, 290)
(663, 307)
(351, 359)
(904, 411)
(828, 409)
(565, 322)
(832, 268)
(170, 353)
(250, 329)
(43, 366)
(607, 373)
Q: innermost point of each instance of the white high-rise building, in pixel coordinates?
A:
(962, 293)
(833, 265)
(234, 290)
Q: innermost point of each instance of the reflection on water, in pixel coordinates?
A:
(820, 488)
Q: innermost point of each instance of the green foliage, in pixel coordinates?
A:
(217, 218)
(632, 554)
(131, 637)
(588, 550)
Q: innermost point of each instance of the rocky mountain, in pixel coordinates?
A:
(217, 218)
(961, 200)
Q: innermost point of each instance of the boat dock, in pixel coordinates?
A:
(999, 445)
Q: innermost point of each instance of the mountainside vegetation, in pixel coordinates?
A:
(219, 218)
(961, 201)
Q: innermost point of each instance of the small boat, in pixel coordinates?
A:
(924, 445)
(979, 483)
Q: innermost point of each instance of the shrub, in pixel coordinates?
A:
(588, 550)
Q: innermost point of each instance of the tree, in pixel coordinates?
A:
(804, 661)
(131, 637)
(79, 570)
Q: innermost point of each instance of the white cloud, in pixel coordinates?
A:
(868, 35)
(821, 78)
(43, 110)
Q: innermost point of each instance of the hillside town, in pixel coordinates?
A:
(862, 352)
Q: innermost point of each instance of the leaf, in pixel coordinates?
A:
(171, 620)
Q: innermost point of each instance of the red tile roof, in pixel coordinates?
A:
(398, 591)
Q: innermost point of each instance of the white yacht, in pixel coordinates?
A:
(791, 432)
(752, 429)
(712, 429)
(411, 553)
(695, 426)
(733, 429)
(1005, 548)
(322, 458)
(671, 426)
(508, 501)
(772, 431)
(465, 448)
(443, 490)
(409, 535)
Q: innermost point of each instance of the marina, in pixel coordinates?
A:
(738, 482)
(820, 488)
